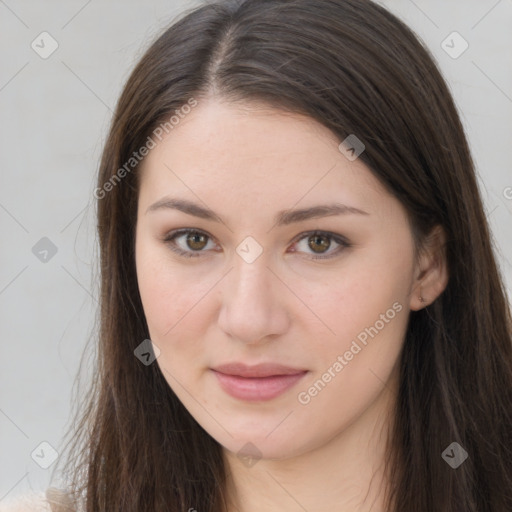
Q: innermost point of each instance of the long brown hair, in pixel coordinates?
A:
(357, 69)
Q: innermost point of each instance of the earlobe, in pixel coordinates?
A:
(432, 270)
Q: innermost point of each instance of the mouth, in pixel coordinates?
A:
(257, 383)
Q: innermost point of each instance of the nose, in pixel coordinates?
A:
(254, 302)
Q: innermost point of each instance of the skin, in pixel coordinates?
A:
(246, 163)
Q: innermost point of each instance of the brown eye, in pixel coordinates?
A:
(196, 241)
(193, 243)
(319, 243)
(187, 242)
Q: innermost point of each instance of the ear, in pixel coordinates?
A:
(431, 271)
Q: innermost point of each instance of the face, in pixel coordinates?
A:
(246, 275)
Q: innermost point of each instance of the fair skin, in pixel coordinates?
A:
(325, 452)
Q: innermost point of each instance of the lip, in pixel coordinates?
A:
(258, 370)
(257, 383)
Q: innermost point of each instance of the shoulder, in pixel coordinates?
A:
(32, 502)
(53, 500)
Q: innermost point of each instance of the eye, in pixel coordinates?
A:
(320, 242)
(194, 241)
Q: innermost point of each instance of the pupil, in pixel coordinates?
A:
(316, 239)
(192, 239)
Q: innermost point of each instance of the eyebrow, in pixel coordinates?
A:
(282, 218)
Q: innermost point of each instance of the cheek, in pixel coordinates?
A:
(169, 311)
(169, 295)
(365, 307)
(172, 308)
(354, 366)
(355, 296)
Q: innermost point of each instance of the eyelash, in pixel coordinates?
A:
(170, 237)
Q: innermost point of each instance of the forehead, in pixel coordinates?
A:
(253, 154)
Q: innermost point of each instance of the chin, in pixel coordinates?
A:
(257, 445)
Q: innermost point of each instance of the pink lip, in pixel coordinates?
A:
(254, 383)
(258, 370)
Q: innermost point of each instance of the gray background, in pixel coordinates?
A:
(55, 114)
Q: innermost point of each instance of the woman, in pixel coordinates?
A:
(300, 308)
